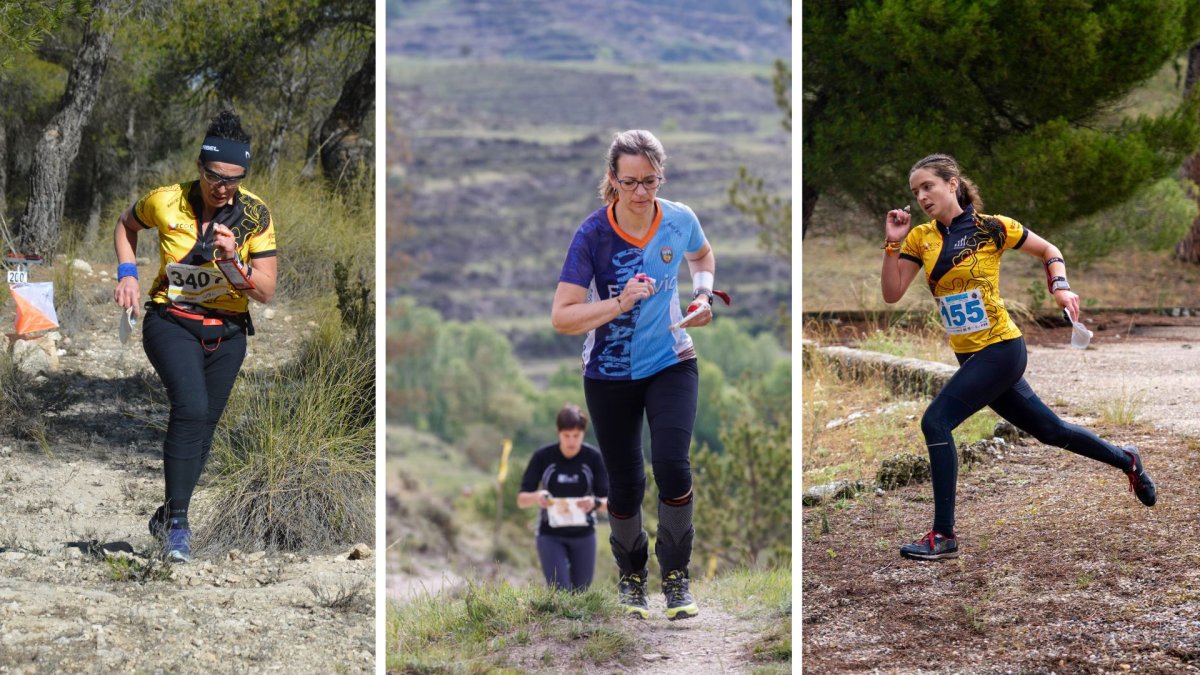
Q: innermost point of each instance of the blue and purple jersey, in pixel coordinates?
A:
(602, 258)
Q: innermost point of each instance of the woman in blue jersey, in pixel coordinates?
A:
(619, 285)
(959, 251)
(568, 482)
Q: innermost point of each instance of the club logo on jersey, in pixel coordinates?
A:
(666, 254)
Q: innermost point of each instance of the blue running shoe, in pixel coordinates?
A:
(179, 543)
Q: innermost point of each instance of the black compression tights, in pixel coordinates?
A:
(992, 377)
(198, 383)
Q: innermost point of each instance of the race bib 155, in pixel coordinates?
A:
(962, 313)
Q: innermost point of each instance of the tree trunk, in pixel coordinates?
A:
(345, 152)
(135, 158)
(292, 87)
(39, 228)
(3, 168)
(808, 203)
(1188, 249)
(91, 230)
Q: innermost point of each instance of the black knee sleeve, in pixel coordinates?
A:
(630, 543)
(673, 547)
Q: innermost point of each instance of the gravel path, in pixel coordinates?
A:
(62, 610)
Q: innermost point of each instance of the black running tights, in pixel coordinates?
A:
(993, 377)
(198, 383)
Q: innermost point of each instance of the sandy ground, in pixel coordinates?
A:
(1160, 377)
(63, 610)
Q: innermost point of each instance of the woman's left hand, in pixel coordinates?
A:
(1068, 301)
(224, 242)
(702, 319)
(585, 504)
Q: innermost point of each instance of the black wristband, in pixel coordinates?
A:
(1054, 260)
(703, 291)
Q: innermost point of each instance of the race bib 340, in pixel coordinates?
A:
(194, 284)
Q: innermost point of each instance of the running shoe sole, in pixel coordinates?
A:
(639, 612)
(685, 612)
(932, 556)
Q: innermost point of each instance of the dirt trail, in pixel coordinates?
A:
(62, 610)
(1062, 570)
(713, 642)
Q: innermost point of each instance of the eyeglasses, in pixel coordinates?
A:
(651, 183)
(217, 180)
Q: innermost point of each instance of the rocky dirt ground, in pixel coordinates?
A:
(63, 609)
(1062, 569)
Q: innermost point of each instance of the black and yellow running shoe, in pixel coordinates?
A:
(680, 603)
(631, 594)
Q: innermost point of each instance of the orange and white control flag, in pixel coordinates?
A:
(35, 307)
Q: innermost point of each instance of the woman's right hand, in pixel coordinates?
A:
(896, 226)
(127, 292)
(544, 499)
(637, 288)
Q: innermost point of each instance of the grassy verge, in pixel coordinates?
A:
(295, 462)
(486, 627)
(850, 426)
(761, 595)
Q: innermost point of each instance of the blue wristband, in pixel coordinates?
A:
(126, 270)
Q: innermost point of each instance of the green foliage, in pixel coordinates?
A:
(727, 343)
(311, 222)
(445, 376)
(744, 495)
(1155, 219)
(1016, 91)
(24, 25)
(718, 404)
(771, 213)
(295, 455)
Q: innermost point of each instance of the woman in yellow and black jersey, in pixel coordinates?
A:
(959, 251)
(216, 253)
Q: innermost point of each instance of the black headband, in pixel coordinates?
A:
(217, 149)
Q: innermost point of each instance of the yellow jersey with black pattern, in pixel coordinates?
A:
(962, 268)
(187, 272)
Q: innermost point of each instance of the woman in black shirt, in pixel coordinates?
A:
(568, 482)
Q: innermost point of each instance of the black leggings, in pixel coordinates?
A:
(198, 383)
(667, 400)
(992, 377)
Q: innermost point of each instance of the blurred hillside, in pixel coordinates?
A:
(623, 31)
(501, 162)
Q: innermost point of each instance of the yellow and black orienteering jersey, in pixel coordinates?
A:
(962, 266)
(186, 271)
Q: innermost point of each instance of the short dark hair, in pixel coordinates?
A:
(571, 417)
(229, 126)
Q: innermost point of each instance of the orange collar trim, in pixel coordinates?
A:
(640, 243)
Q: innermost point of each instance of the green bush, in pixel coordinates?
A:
(295, 458)
(743, 496)
(1155, 219)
